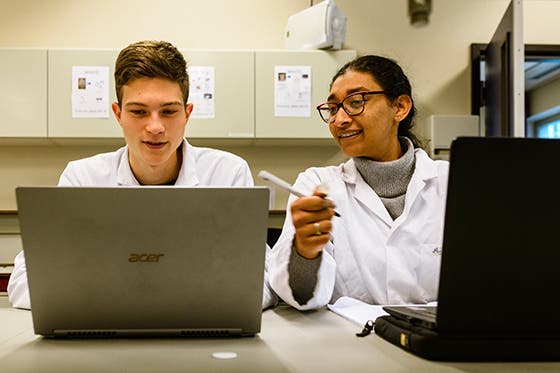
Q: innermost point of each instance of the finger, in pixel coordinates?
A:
(304, 218)
(321, 193)
(315, 229)
(311, 203)
(310, 247)
(318, 192)
(322, 188)
(319, 228)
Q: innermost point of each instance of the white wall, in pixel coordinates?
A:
(436, 57)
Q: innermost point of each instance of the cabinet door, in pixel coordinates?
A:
(323, 65)
(61, 121)
(229, 110)
(23, 92)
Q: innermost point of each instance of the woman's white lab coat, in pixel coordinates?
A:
(370, 256)
(201, 166)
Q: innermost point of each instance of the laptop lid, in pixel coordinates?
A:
(499, 269)
(144, 260)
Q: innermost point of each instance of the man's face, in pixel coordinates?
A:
(153, 117)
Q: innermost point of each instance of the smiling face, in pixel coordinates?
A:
(153, 117)
(373, 133)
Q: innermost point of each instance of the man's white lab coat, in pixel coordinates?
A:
(201, 166)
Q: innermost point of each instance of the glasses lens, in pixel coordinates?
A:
(354, 104)
(328, 111)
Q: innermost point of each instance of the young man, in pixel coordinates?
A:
(152, 87)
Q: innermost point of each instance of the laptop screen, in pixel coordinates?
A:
(501, 250)
(144, 260)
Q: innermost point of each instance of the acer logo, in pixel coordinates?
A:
(153, 258)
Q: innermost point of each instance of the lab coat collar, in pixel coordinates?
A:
(187, 173)
(125, 177)
(363, 192)
(425, 170)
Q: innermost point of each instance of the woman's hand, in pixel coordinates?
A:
(311, 217)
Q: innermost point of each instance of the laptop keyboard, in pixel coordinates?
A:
(423, 315)
(432, 311)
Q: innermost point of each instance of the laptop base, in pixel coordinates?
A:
(143, 333)
(432, 345)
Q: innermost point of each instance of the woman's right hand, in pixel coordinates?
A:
(311, 216)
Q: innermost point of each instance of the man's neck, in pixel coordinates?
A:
(161, 175)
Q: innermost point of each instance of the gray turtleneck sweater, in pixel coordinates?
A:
(389, 180)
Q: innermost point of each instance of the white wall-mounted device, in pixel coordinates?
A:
(443, 129)
(322, 26)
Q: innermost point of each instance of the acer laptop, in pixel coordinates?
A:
(499, 281)
(144, 261)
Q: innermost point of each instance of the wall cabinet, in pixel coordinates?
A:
(233, 87)
(323, 65)
(61, 124)
(23, 92)
(38, 86)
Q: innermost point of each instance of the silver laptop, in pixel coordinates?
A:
(137, 261)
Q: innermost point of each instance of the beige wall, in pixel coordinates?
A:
(436, 57)
(544, 97)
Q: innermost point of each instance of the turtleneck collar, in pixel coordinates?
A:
(389, 179)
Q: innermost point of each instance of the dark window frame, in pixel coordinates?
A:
(478, 53)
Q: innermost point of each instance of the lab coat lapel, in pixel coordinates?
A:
(364, 194)
(187, 173)
(125, 177)
(424, 171)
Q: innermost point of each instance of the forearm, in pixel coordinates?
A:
(302, 275)
(316, 292)
(18, 290)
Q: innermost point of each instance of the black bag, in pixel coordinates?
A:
(432, 345)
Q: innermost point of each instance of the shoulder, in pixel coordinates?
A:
(441, 167)
(102, 159)
(210, 155)
(314, 176)
(434, 172)
(326, 171)
(91, 170)
(207, 166)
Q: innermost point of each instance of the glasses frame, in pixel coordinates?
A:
(341, 105)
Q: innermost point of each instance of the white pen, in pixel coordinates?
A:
(265, 175)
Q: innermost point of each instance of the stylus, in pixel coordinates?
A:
(265, 175)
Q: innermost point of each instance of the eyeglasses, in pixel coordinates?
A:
(352, 105)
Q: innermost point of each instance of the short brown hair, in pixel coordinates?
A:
(151, 59)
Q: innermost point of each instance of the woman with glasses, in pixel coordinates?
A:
(384, 244)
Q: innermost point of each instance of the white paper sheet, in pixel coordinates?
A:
(90, 91)
(292, 91)
(201, 95)
(359, 312)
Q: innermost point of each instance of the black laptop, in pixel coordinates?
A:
(499, 287)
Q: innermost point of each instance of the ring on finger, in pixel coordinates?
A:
(317, 229)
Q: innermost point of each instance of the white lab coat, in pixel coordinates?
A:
(201, 166)
(370, 256)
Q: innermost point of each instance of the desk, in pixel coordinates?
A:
(290, 341)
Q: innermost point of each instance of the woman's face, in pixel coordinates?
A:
(373, 133)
